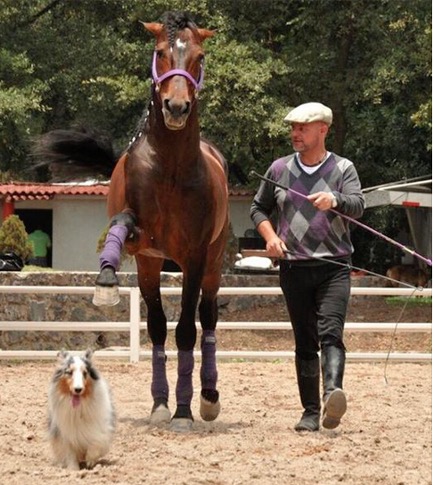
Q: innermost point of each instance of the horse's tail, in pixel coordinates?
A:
(75, 154)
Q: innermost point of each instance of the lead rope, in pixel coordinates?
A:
(392, 339)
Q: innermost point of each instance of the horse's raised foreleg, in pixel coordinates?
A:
(208, 313)
(107, 285)
(149, 282)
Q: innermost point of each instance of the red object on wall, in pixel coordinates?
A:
(8, 209)
(408, 203)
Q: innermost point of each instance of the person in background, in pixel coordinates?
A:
(41, 242)
(314, 246)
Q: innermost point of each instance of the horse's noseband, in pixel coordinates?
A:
(175, 72)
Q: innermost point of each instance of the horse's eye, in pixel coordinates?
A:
(160, 53)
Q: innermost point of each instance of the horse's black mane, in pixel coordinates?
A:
(176, 21)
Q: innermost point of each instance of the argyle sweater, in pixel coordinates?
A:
(308, 232)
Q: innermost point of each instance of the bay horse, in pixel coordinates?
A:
(168, 199)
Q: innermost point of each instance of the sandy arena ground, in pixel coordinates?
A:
(385, 437)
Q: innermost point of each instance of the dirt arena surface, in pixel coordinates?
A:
(385, 437)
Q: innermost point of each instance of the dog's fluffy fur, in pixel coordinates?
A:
(409, 274)
(81, 418)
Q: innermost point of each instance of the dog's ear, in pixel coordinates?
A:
(88, 354)
(62, 355)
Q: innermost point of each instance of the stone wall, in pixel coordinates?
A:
(76, 308)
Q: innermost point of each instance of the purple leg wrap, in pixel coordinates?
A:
(184, 386)
(159, 386)
(111, 254)
(208, 371)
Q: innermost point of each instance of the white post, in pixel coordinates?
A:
(134, 324)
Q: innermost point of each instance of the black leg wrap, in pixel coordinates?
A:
(210, 395)
(183, 411)
(158, 402)
(126, 218)
(107, 277)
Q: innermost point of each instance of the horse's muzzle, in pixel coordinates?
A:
(175, 113)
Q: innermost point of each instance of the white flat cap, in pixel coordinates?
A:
(309, 112)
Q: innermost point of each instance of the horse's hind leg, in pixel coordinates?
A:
(107, 285)
(208, 313)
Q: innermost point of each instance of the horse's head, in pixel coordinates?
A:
(177, 66)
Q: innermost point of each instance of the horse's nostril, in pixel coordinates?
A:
(186, 108)
(177, 109)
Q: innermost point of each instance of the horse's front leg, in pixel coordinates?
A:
(185, 340)
(148, 273)
(122, 226)
(208, 314)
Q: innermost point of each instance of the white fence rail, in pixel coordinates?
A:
(134, 353)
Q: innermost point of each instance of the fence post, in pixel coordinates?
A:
(134, 324)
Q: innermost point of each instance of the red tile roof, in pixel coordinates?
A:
(39, 191)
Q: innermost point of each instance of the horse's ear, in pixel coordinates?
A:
(153, 27)
(205, 34)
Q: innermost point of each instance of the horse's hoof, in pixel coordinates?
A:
(209, 410)
(160, 415)
(181, 425)
(106, 296)
(182, 420)
(107, 277)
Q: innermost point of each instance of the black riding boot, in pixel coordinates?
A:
(308, 385)
(335, 401)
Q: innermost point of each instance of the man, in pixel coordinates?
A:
(315, 248)
(41, 242)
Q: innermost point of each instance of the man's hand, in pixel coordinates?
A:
(276, 248)
(274, 245)
(323, 200)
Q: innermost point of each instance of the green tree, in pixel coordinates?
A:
(88, 63)
(13, 237)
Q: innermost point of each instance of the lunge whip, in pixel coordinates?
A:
(354, 221)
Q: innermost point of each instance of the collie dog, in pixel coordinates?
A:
(81, 417)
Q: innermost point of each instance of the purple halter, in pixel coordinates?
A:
(175, 72)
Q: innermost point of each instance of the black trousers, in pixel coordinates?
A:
(317, 298)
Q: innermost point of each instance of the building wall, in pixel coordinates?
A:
(77, 227)
(79, 221)
(240, 215)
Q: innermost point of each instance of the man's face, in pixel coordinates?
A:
(308, 136)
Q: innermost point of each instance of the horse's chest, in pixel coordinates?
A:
(179, 215)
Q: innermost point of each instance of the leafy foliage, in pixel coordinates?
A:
(88, 63)
(13, 237)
